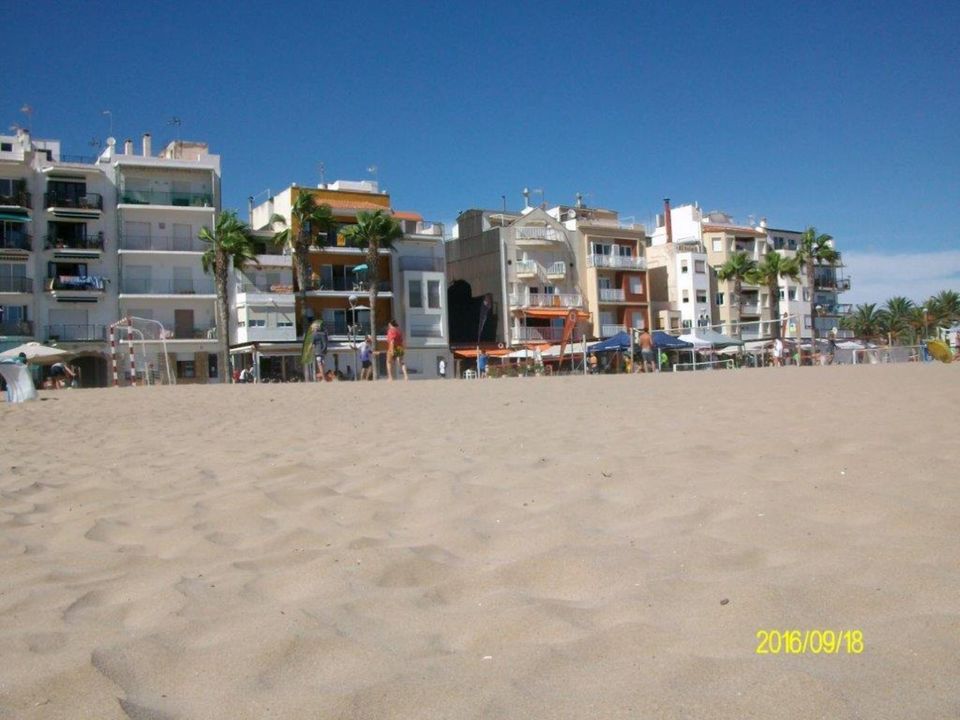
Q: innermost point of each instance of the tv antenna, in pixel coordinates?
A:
(28, 111)
(323, 173)
(176, 122)
(109, 114)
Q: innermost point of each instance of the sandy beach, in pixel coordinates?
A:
(603, 547)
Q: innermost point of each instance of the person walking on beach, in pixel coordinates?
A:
(366, 359)
(481, 363)
(59, 372)
(646, 352)
(321, 342)
(395, 350)
(442, 368)
(777, 352)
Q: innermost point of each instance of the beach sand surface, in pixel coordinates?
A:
(603, 547)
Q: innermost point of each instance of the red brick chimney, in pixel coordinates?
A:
(666, 219)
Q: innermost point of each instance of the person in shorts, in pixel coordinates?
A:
(320, 343)
(647, 354)
(395, 350)
(366, 359)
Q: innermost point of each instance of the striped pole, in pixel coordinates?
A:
(133, 362)
(113, 355)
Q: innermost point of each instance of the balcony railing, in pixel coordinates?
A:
(90, 242)
(90, 201)
(749, 308)
(16, 284)
(151, 242)
(20, 198)
(625, 262)
(545, 300)
(538, 233)
(75, 332)
(167, 286)
(158, 197)
(420, 328)
(527, 267)
(343, 328)
(80, 159)
(612, 295)
(23, 328)
(557, 269)
(346, 285)
(611, 330)
(16, 241)
(262, 287)
(423, 264)
(78, 283)
(537, 334)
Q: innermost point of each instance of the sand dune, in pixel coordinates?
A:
(516, 548)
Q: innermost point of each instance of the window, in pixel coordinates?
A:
(636, 285)
(415, 294)
(699, 266)
(686, 296)
(433, 294)
(719, 298)
(718, 245)
(549, 290)
(6, 147)
(792, 294)
(212, 365)
(624, 251)
(806, 321)
(702, 296)
(6, 185)
(780, 294)
(684, 267)
(687, 324)
(186, 369)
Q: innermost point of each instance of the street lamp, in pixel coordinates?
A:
(924, 311)
(353, 332)
(816, 313)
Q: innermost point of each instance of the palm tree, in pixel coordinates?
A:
(768, 273)
(309, 219)
(866, 321)
(373, 231)
(944, 307)
(815, 250)
(898, 317)
(739, 268)
(229, 243)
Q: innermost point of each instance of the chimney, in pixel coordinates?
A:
(128, 147)
(666, 219)
(147, 152)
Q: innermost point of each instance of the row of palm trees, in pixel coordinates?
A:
(901, 321)
(230, 243)
(814, 249)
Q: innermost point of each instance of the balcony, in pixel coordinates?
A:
(75, 333)
(163, 243)
(18, 199)
(167, 286)
(750, 308)
(344, 285)
(158, 197)
(248, 286)
(536, 334)
(16, 241)
(557, 271)
(527, 268)
(24, 328)
(68, 284)
(342, 328)
(547, 300)
(16, 284)
(421, 263)
(612, 295)
(620, 262)
(89, 201)
(89, 242)
(611, 330)
(542, 234)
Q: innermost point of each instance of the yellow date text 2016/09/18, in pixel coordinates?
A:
(815, 642)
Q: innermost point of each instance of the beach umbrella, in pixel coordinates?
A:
(940, 350)
(37, 353)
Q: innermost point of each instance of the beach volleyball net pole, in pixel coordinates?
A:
(159, 332)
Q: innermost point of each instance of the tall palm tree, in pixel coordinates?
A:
(229, 243)
(373, 231)
(866, 321)
(898, 318)
(815, 249)
(309, 220)
(944, 308)
(739, 268)
(768, 273)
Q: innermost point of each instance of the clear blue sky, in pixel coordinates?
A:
(841, 116)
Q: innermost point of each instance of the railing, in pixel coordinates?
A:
(91, 242)
(20, 198)
(16, 241)
(611, 330)
(158, 197)
(626, 262)
(343, 328)
(749, 308)
(197, 333)
(537, 334)
(345, 285)
(424, 264)
(16, 284)
(75, 332)
(557, 269)
(750, 331)
(537, 300)
(612, 295)
(261, 287)
(538, 233)
(427, 227)
(24, 327)
(527, 267)
(81, 159)
(79, 283)
(150, 242)
(843, 284)
(90, 201)
(426, 329)
(167, 286)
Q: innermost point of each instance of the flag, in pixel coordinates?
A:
(568, 325)
(484, 313)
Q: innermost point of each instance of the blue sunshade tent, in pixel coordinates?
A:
(710, 338)
(359, 268)
(620, 341)
(668, 342)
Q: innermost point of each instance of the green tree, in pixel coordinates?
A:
(898, 318)
(373, 231)
(944, 308)
(739, 268)
(866, 321)
(768, 273)
(229, 244)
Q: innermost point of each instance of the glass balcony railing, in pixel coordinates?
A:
(16, 241)
(75, 333)
(16, 284)
(89, 201)
(167, 286)
(158, 197)
(79, 283)
(23, 328)
(152, 242)
(90, 242)
(19, 198)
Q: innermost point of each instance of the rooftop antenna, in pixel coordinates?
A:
(373, 171)
(540, 191)
(177, 122)
(94, 142)
(526, 197)
(323, 174)
(28, 111)
(109, 113)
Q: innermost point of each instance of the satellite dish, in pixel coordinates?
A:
(573, 214)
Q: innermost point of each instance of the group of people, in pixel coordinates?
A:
(395, 354)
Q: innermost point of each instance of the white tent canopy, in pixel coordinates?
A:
(37, 353)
